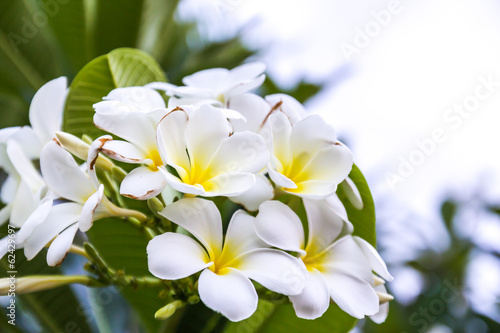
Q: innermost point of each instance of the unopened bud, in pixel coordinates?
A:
(168, 310)
(352, 193)
(80, 149)
(384, 297)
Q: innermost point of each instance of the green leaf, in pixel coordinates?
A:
(272, 318)
(57, 310)
(123, 247)
(119, 68)
(363, 220)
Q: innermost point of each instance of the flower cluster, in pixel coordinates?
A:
(212, 139)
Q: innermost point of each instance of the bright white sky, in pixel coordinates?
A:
(429, 57)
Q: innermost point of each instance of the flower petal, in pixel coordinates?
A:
(228, 184)
(313, 189)
(346, 257)
(279, 226)
(59, 218)
(274, 269)
(314, 300)
(171, 140)
(289, 106)
(174, 256)
(352, 295)
(324, 225)
(47, 107)
(240, 236)
(24, 166)
(130, 99)
(383, 311)
(87, 216)
(62, 174)
(59, 248)
(25, 202)
(142, 183)
(377, 264)
(134, 127)
(254, 110)
(124, 151)
(206, 78)
(206, 129)
(281, 180)
(35, 219)
(281, 131)
(201, 218)
(5, 213)
(256, 195)
(179, 185)
(230, 293)
(241, 152)
(310, 135)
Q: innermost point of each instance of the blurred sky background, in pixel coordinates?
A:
(409, 75)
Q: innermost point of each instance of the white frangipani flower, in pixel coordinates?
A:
(214, 86)
(59, 222)
(227, 267)
(132, 114)
(208, 160)
(306, 159)
(339, 265)
(256, 110)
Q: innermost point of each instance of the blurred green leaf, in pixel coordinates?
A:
(363, 220)
(272, 318)
(57, 310)
(123, 247)
(119, 68)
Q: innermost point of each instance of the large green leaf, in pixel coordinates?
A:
(362, 219)
(123, 247)
(272, 318)
(119, 68)
(57, 310)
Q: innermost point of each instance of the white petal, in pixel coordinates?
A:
(124, 151)
(324, 225)
(280, 180)
(281, 131)
(174, 256)
(352, 193)
(134, 127)
(205, 131)
(311, 134)
(35, 219)
(245, 86)
(231, 293)
(332, 164)
(59, 248)
(246, 72)
(346, 257)
(241, 152)
(132, 99)
(314, 299)
(383, 312)
(142, 183)
(254, 109)
(338, 208)
(279, 226)
(274, 269)
(87, 216)
(161, 86)
(201, 218)
(178, 185)
(47, 107)
(256, 195)
(171, 140)
(23, 205)
(206, 78)
(313, 189)
(5, 214)
(352, 295)
(289, 106)
(377, 264)
(24, 166)
(60, 217)
(62, 174)
(9, 189)
(240, 236)
(229, 184)
(28, 141)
